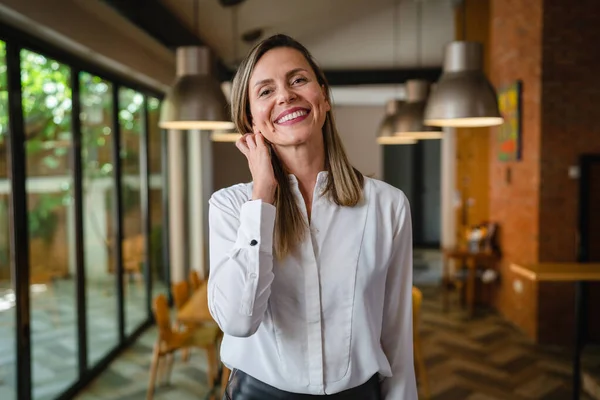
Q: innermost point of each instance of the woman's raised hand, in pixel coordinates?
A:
(253, 146)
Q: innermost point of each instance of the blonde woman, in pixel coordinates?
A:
(311, 263)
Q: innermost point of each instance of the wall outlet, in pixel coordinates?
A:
(574, 172)
(518, 286)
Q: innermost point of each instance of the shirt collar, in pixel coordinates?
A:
(321, 179)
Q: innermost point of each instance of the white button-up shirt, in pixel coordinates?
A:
(331, 314)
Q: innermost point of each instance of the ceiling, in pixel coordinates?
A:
(341, 34)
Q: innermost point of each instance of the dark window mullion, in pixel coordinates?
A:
(19, 240)
(166, 252)
(118, 214)
(145, 201)
(77, 170)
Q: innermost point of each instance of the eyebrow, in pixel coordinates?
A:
(269, 80)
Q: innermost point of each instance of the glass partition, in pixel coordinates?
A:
(51, 283)
(98, 191)
(46, 100)
(131, 115)
(157, 266)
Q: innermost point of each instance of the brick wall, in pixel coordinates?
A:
(571, 127)
(570, 123)
(551, 46)
(516, 54)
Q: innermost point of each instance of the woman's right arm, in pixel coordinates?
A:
(241, 263)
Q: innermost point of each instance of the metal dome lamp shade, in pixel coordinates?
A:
(195, 100)
(387, 131)
(463, 97)
(408, 122)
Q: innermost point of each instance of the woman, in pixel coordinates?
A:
(311, 263)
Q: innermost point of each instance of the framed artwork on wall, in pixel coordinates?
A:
(509, 133)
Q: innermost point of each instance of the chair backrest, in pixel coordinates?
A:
(162, 317)
(181, 294)
(133, 248)
(417, 300)
(195, 280)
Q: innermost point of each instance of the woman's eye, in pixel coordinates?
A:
(264, 92)
(298, 80)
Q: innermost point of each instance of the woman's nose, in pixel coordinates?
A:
(286, 95)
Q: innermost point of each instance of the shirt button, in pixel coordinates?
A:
(253, 242)
(253, 276)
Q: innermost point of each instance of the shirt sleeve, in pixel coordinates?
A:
(397, 330)
(241, 265)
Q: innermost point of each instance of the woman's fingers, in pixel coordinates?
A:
(260, 140)
(242, 145)
(251, 140)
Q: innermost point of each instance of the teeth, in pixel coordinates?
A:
(293, 115)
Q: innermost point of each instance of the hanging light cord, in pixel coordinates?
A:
(419, 14)
(234, 30)
(395, 31)
(196, 17)
(464, 20)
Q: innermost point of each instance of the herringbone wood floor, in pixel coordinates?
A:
(486, 358)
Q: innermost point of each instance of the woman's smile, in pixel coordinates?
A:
(292, 116)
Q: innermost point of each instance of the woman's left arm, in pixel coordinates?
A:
(397, 330)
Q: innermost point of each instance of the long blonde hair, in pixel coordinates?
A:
(344, 184)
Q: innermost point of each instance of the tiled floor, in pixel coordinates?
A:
(127, 377)
(483, 358)
(54, 335)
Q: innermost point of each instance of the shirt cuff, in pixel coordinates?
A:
(257, 222)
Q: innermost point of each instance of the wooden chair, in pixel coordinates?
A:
(133, 257)
(225, 373)
(169, 341)
(420, 369)
(181, 294)
(195, 280)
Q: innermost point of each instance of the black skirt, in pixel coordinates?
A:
(242, 386)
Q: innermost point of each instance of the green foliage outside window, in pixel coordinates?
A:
(47, 110)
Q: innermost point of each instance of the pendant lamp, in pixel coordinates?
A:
(387, 130)
(463, 96)
(195, 100)
(408, 122)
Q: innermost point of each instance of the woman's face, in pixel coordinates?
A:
(287, 104)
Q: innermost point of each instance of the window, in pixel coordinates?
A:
(46, 95)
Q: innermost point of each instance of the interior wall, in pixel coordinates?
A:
(357, 126)
(516, 54)
(570, 127)
(570, 123)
